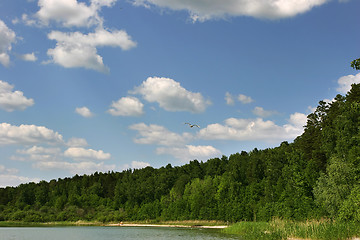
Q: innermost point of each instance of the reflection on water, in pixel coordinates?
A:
(110, 233)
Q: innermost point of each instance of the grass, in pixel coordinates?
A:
(281, 229)
(47, 224)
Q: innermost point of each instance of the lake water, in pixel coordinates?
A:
(110, 233)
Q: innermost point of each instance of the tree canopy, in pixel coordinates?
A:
(356, 64)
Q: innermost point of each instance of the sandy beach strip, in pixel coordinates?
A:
(163, 225)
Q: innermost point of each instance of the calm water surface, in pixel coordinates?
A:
(109, 233)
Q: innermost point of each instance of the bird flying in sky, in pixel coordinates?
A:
(192, 125)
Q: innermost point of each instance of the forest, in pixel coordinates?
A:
(316, 176)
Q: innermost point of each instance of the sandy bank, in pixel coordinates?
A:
(162, 225)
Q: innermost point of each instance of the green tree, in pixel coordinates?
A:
(356, 64)
(334, 187)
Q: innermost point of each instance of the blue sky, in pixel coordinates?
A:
(107, 85)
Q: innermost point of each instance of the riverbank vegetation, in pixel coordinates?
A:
(277, 229)
(315, 177)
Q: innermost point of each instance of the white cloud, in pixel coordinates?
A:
(4, 170)
(38, 153)
(82, 153)
(261, 112)
(229, 99)
(170, 95)
(11, 101)
(71, 12)
(84, 111)
(245, 99)
(298, 120)
(77, 142)
(254, 129)
(201, 10)
(159, 135)
(80, 50)
(13, 180)
(27, 20)
(75, 168)
(29, 57)
(7, 38)
(190, 152)
(346, 81)
(139, 164)
(28, 134)
(127, 106)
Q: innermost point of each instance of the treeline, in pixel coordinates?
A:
(316, 176)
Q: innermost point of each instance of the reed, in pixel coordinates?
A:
(285, 229)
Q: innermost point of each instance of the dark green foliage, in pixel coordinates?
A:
(355, 64)
(316, 176)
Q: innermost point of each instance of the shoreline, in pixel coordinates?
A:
(163, 225)
(184, 224)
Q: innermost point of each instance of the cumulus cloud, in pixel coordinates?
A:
(13, 100)
(86, 167)
(200, 10)
(190, 152)
(346, 81)
(254, 129)
(261, 112)
(71, 13)
(82, 153)
(229, 99)
(12, 180)
(30, 57)
(170, 95)
(139, 164)
(80, 50)
(84, 111)
(297, 120)
(38, 153)
(127, 106)
(245, 99)
(28, 134)
(77, 142)
(159, 135)
(7, 38)
(4, 170)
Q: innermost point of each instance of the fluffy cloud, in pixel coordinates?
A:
(30, 57)
(170, 95)
(298, 119)
(84, 111)
(159, 135)
(245, 99)
(127, 106)
(75, 168)
(261, 112)
(28, 134)
(7, 38)
(71, 12)
(229, 99)
(38, 153)
(200, 10)
(13, 180)
(80, 50)
(190, 152)
(77, 142)
(82, 153)
(346, 81)
(4, 170)
(254, 129)
(139, 165)
(10, 101)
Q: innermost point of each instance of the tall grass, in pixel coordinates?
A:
(283, 229)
